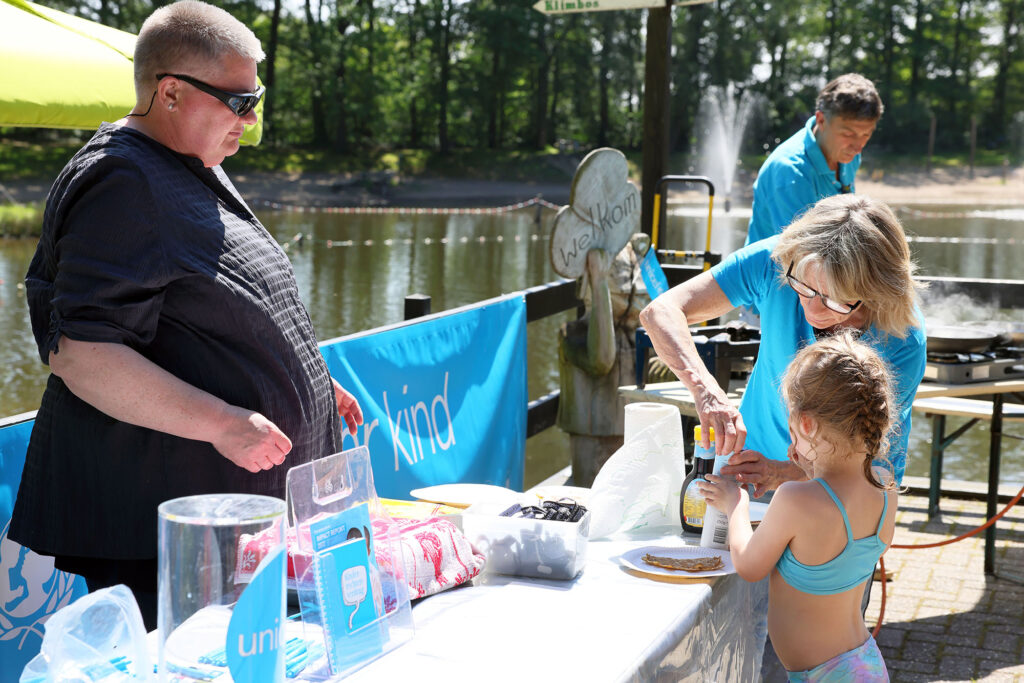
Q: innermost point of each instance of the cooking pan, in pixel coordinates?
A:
(1012, 332)
(965, 339)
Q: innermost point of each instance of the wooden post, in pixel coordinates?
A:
(656, 108)
(417, 306)
(931, 143)
(974, 141)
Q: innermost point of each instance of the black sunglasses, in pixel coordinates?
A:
(808, 293)
(239, 102)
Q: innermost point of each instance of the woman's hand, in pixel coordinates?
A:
(251, 441)
(764, 474)
(722, 493)
(667, 320)
(716, 411)
(348, 407)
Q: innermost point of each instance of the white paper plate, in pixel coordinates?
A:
(757, 511)
(633, 559)
(464, 495)
(577, 493)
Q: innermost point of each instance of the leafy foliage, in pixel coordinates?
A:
(362, 77)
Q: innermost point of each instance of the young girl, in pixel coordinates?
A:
(820, 539)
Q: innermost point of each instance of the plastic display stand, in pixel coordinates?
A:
(349, 572)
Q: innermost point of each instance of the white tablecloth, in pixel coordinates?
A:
(606, 625)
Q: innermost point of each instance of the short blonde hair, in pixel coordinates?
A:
(862, 251)
(847, 388)
(186, 32)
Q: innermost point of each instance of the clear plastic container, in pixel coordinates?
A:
(206, 562)
(349, 566)
(544, 549)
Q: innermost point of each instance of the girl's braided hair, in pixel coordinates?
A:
(844, 385)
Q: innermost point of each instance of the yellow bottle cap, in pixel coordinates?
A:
(696, 433)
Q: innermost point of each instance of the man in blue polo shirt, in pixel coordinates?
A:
(820, 160)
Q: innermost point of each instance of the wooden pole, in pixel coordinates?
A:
(931, 143)
(974, 141)
(656, 108)
(416, 306)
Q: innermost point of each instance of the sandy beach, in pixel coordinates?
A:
(989, 186)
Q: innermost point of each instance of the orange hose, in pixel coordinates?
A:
(984, 526)
(881, 609)
(881, 561)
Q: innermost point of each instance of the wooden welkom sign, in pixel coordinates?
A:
(603, 212)
(570, 6)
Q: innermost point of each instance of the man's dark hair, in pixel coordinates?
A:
(850, 96)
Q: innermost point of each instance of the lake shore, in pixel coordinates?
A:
(989, 186)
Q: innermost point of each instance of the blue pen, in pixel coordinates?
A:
(312, 653)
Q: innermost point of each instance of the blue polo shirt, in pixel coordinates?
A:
(750, 277)
(792, 179)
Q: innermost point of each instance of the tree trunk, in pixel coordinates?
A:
(444, 30)
(493, 88)
(833, 31)
(268, 104)
(916, 49)
(342, 142)
(635, 86)
(540, 104)
(955, 93)
(604, 79)
(1010, 36)
(316, 52)
(888, 49)
(414, 118)
(368, 111)
(556, 90)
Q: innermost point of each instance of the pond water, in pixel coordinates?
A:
(355, 270)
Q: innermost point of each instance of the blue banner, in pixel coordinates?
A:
(31, 589)
(654, 276)
(444, 400)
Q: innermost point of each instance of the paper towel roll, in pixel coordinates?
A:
(639, 485)
(640, 416)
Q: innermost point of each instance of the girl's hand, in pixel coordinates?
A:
(722, 492)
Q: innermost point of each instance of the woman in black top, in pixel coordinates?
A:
(182, 360)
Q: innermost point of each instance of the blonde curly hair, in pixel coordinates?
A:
(847, 388)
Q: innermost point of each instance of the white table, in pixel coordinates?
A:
(676, 394)
(606, 625)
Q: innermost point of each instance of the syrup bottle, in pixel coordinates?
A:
(691, 503)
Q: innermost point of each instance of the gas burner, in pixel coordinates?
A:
(963, 368)
(957, 358)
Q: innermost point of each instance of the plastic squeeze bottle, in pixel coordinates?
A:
(715, 533)
(691, 502)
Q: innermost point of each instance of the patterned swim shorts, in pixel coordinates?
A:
(861, 664)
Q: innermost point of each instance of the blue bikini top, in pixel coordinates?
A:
(848, 569)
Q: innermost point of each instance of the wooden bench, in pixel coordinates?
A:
(937, 409)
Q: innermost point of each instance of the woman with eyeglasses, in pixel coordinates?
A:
(845, 264)
(182, 359)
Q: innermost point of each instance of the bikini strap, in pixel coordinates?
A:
(842, 510)
(885, 508)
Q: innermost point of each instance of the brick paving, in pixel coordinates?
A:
(945, 620)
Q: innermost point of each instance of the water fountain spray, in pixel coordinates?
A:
(722, 118)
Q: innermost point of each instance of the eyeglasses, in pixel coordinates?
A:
(808, 293)
(239, 102)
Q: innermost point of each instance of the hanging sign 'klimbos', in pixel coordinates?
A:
(603, 212)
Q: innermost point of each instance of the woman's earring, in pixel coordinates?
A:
(170, 107)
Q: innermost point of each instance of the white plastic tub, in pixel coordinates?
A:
(544, 549)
